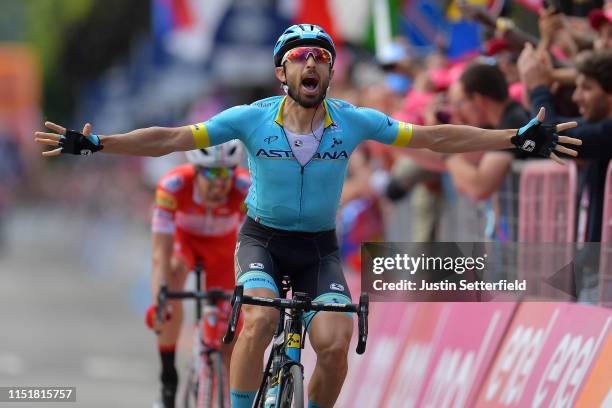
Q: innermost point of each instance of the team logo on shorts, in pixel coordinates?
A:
(256, 265)
(336, 286)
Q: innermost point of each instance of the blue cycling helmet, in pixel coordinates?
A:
(303, 34)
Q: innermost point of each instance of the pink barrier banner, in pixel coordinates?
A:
(388, 326)
(369, 374)
(436, 353)
(546, 356)
(597, 390)
(409, 364)
(463, 353)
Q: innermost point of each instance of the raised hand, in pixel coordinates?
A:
(68, 141)
(543, 139)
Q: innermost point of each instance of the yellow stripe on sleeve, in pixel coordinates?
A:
(404, 134)
(165, 200)
(200, 135)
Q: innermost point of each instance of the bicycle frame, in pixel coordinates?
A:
(207, 331)
(287, 343)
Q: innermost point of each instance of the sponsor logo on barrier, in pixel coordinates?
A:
(416, 357)
(567, 368)
(516, 361)
(456, 370)
(408, 378)
(391, 326)
(546, 356)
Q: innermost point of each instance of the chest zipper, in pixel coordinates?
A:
(302, 167)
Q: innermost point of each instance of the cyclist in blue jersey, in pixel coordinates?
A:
(298, 148)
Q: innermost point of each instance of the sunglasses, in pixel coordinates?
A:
(214, 173)
(301, 54)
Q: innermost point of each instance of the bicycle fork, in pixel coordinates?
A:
(288, 340)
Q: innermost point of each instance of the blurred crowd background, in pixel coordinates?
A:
(123, 65)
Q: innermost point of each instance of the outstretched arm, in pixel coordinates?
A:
(153, 141)
(460, 138)
(533, 137)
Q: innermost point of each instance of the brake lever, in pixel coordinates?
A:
(363, 322)
(161, 303)
(233, 323)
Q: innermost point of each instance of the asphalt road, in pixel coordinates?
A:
(72, 296)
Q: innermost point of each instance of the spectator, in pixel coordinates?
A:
(481, 98)
(601, 21)
(593, 95)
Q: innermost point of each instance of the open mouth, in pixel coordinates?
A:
(310, 84)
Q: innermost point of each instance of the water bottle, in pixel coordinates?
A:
(210, 334)
(271, 396)
(273, 390)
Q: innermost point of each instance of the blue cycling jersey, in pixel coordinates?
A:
(284, 194)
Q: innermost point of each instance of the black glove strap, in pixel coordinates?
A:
(74, 142)
(538, 138)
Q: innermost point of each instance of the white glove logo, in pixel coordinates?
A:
(528, 146)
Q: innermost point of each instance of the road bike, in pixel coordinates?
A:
(206, 380)
(283, 383)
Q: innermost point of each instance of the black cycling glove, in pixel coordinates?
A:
(536, 137)
(74, 142)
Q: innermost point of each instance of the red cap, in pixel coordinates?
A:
(496, 45)
(598, 16)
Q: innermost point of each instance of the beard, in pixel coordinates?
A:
(309, 102)
(215, 196)
(598, 111)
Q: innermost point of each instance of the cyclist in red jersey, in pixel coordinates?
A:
(198, 209)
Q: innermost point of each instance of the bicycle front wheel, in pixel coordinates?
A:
(211, 386)
(292, 394)
(217, 382)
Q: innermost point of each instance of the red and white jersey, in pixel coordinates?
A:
(178, 205)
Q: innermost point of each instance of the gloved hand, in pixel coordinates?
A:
(543, 140)
(74, 142)
(536, 137)
(153, 322)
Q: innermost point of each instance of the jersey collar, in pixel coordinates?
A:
(279, 115)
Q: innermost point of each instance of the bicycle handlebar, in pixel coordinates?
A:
(161, 300)
(362, 309)
(362, 322)
(208, 295)
(237, 300)
(164, 294)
